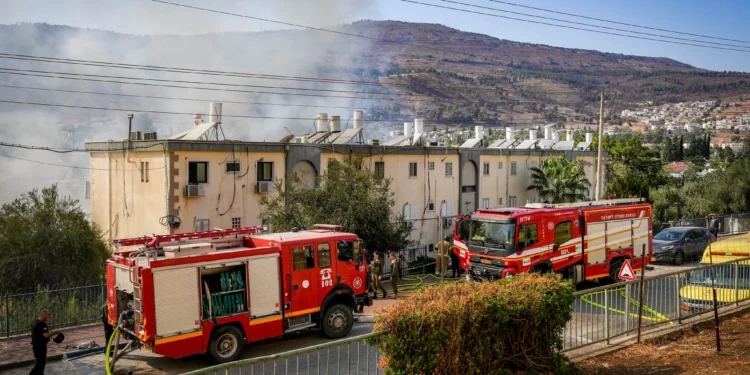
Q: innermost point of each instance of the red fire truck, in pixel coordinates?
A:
(582, 241)
(212, 292)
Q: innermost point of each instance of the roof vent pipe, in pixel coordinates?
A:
(532, 135)
(408, 129)
(589, 137)
(547, 133)
(556, 137)
(510, 134)
(569, 135)
(335, 124)
(358, 119)
(322, 122)
(214, 113)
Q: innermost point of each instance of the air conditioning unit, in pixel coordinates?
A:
(194, 191)
(447, 222)
(136, 136)
(374, 142)
(264, 187)
(151, 136)
(302, 139)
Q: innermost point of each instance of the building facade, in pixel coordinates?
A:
(177, 186)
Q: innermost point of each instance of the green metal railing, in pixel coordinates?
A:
(69, 306)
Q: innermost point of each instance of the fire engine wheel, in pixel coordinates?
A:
(337, 321)
(226, 344)
(614, 270)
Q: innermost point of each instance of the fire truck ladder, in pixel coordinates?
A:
(180, 237)
(608, 202)
(138, 261)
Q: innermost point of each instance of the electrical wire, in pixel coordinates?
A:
(206, 83)
(9, 71)
(172, 98)
(616, 22)
(590, 25)
(157, 68)
(274, 21)
(569, 27)
(67, 166)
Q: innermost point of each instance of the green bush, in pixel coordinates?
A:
(478, 328)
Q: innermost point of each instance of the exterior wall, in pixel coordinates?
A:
(122, 204)
(164, 193)
(217, 203)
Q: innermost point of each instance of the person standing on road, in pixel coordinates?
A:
(40, 335)
(376, 268)
(714, 226)
(441, 260)
(455, 262)
(395, 274)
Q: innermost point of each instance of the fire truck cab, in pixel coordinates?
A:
(212, 292)
(582, 241)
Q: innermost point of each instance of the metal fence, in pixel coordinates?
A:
(414, 260)
(604, 313)
(69, 306)
(599, 315)
(730, 224)
(348, 356)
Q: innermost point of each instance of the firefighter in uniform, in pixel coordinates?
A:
(441, 261)
(395, 274)
(40, 335)
(376, 267)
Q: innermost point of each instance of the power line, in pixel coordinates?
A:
(192, 71)
(590, 25)
(570, 27)
(171, 112)
(69, 166)
(206, 83)
(21, 73)
(616, 22)
(276, 22)
(173, 98)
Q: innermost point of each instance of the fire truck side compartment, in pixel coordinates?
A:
(176, 300)
(265, 293)
(596, 241)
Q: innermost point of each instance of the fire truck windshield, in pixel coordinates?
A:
(492, 234)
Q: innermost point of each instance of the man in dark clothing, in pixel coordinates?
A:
(455, 267)
(714, 226)
(40, 335)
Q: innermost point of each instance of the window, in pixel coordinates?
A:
(201, 225)
(527, 236)
(410, 212)
(302, 257)
(412, 169)
(380, 169)
(511, 201)
(563, 233)
(486, 168)
(513, 168)
(499, 165)
(348, 251)
(486, 203)
(448, 169)
(144, 171)
(430, 206)
(265, 171)
(236, 222)
(499, 202)
(324, 255)
(431, 165)
(197, 172)
(233, 167)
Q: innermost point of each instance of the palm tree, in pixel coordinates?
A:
(559, 180)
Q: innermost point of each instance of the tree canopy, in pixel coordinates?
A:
(344, 195)
(559, 180)
(46, 240)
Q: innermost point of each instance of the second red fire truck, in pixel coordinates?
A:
(583, 241)
(212, 292)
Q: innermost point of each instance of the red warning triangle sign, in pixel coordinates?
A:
(626, 272)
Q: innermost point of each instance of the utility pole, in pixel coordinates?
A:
(597, 193)
(130, 128)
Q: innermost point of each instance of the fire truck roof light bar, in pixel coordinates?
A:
(607, 202)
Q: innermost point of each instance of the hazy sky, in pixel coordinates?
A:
(720, 18)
